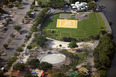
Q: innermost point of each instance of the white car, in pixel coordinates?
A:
(3, 54)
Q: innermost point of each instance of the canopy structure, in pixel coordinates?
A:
(79, 5)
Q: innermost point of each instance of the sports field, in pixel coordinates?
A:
(85, 28)
(63, 23)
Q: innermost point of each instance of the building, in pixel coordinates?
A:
(1, 25)
(83, 70)
(15, 73)
(37, 72)
(79, 6)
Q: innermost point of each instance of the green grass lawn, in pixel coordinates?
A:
(101, 21)
(85, 28)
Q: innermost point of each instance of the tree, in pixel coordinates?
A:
(23, 45)
(5, 46)
(1, 74)
(104, 52)
(29, 13)
(30, 75)
(20, 1)
(58, 3)
(11, 0)
(19, 49)
(40, 40)
(45, 66)
(33, 28)
(29, 47)
(72, 1)
(12, 35)
(74, 68)
(19, 66)
(68, 39)
(102, 73)
(72, 44)
(11, 60)
(17, 28)
(39, 3)
(34, 63)
(5, 2)
(110, 23)
(59, 75)
(60, 45)
(1, 10)
(91, 6)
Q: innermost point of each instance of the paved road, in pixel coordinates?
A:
(19, 39)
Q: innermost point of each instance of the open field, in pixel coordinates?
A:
(86, 28)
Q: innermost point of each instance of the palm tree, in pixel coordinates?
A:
(5, 46)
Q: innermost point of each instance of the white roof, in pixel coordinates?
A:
(74, 7)
(78, 5)
(72, 4)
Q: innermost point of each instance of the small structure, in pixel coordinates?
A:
(73, 74)
(36, 4)
(66, 16)
(33, 14)
(1, 25)
(83, 70)
(81, 17)
(15, 73)
(79, 6)
(38, 72)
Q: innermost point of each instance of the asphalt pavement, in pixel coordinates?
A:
(19, 38)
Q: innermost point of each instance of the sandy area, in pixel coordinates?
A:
(56, 43)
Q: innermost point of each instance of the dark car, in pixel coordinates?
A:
(1, 59)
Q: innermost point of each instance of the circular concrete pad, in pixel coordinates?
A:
(53, 58)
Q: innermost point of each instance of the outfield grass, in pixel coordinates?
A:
(101, 21)
(85, 28)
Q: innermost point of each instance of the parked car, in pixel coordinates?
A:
(3, 54)
(1, 59)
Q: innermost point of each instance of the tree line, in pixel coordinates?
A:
(38, 20)
(6, 2)
(103, 53)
